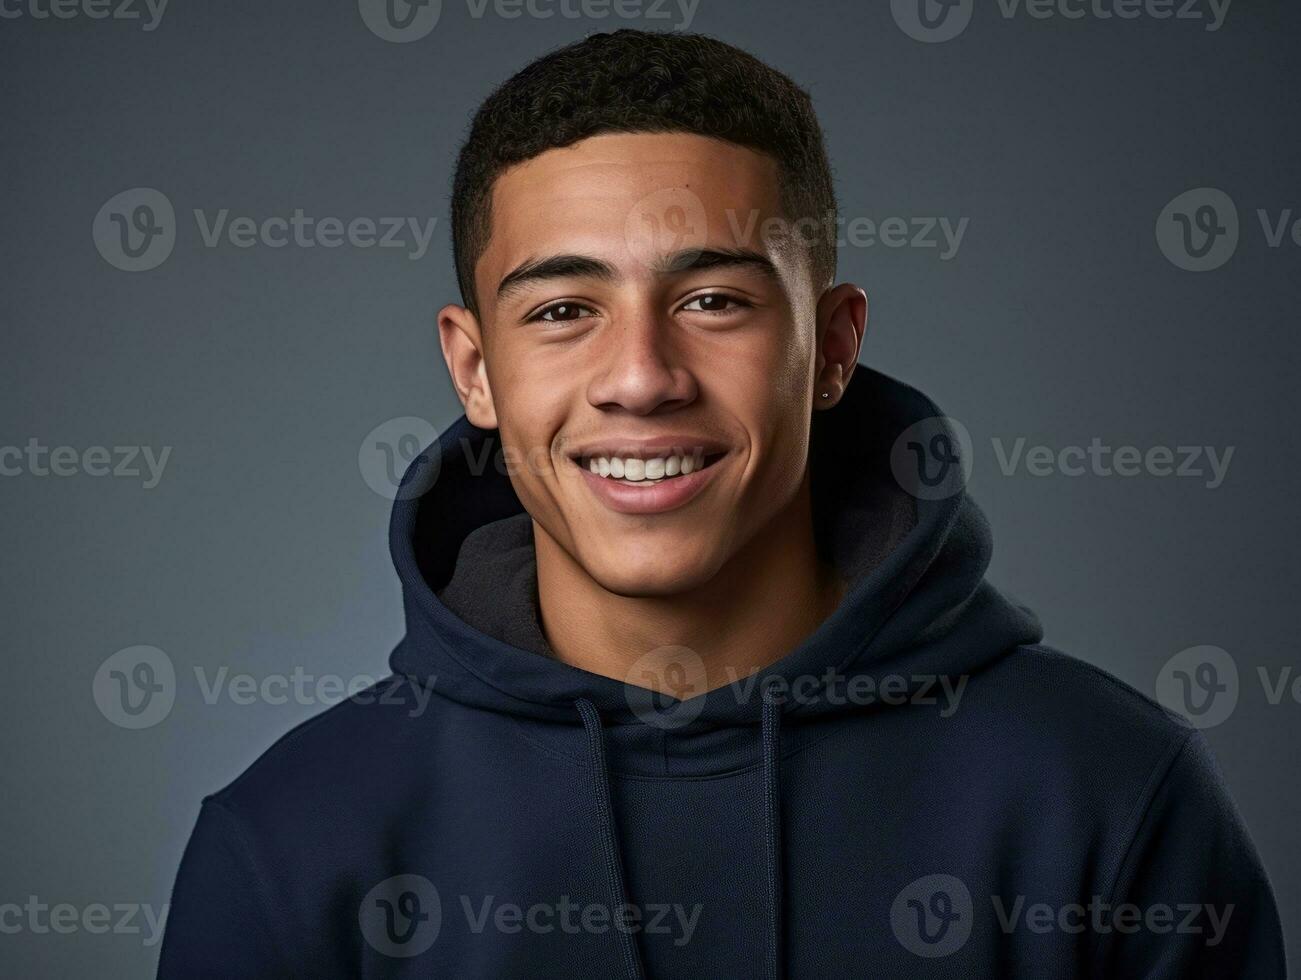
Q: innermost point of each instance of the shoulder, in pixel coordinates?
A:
(1079, 690)
(324, 759)
(1079, 725)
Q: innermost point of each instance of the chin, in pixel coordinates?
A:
(658, 575)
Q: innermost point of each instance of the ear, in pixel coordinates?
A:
(462, 342)
(842, 323)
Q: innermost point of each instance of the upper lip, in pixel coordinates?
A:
(650, 448)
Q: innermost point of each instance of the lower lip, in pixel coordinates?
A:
(656, 498)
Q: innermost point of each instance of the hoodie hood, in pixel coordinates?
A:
(914, 556)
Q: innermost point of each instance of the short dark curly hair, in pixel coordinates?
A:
(633, 81)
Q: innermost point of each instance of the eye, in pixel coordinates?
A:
(562, 313)
(714, 303)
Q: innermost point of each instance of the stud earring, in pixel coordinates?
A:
(826, 394)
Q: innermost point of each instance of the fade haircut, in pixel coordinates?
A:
(633, 81)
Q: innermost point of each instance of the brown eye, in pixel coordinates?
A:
(562, 313)
(712, 303)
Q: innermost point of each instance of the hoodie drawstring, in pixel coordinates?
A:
(609, 835)
(770, 737)
(770, 746)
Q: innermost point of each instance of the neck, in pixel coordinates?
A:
(772, 594)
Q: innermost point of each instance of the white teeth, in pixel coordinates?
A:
(646, 471)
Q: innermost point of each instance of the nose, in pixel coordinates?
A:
(642, 370)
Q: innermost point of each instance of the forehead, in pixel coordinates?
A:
(614, 195)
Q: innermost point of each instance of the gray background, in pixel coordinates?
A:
(262, 549)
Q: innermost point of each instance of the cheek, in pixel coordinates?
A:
(769, 380)
(530, 411)
(773, 403)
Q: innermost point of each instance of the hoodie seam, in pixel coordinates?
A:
(259, 880)
(577, 763)
(1136, 820)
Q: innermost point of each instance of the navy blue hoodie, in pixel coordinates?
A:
(919, 789)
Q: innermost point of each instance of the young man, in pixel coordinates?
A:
(713, 685)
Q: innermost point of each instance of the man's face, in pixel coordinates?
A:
(636, 319)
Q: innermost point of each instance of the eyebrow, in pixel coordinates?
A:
(693, 259)
(555, 267)
(587, 267)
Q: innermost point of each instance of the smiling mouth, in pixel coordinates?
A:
(649, 471)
